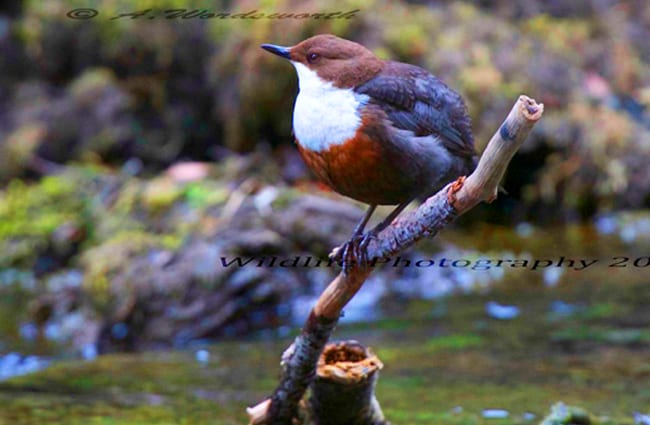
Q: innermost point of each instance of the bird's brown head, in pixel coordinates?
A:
(342, 62)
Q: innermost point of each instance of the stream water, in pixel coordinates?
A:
(499, 349)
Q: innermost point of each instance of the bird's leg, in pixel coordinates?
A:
(370, 234)
(388, 220)
(350, 249)
(355, 248)
(362, 224)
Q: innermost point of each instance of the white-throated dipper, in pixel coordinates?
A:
(380, 132)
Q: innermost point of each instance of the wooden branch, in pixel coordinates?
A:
(433, 215)
(299, 366)
(343, 391)
(483, 183)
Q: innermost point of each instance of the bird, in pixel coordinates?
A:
(378, 131)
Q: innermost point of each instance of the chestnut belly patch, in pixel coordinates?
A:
(361, 169)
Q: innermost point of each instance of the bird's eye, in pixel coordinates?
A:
(312, 57)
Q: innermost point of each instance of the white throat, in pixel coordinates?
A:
(324, 115)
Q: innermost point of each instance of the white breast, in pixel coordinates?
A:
(324, 115)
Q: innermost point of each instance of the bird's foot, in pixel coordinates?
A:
(353, 252)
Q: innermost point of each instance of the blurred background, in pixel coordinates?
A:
(142, 151)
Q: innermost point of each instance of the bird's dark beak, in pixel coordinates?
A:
(277, 50)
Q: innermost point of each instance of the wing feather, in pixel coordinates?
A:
(415, 100)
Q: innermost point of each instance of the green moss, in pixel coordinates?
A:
(151, 388)
(284, 198)
(91, 82)
(601, 311)
(204, 194)
(455, 342)
(603, 335)
(101, 262)
(562, 35)
(30, 213)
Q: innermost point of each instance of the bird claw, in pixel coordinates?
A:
(354, 251)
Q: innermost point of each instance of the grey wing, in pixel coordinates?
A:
(417, 101)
